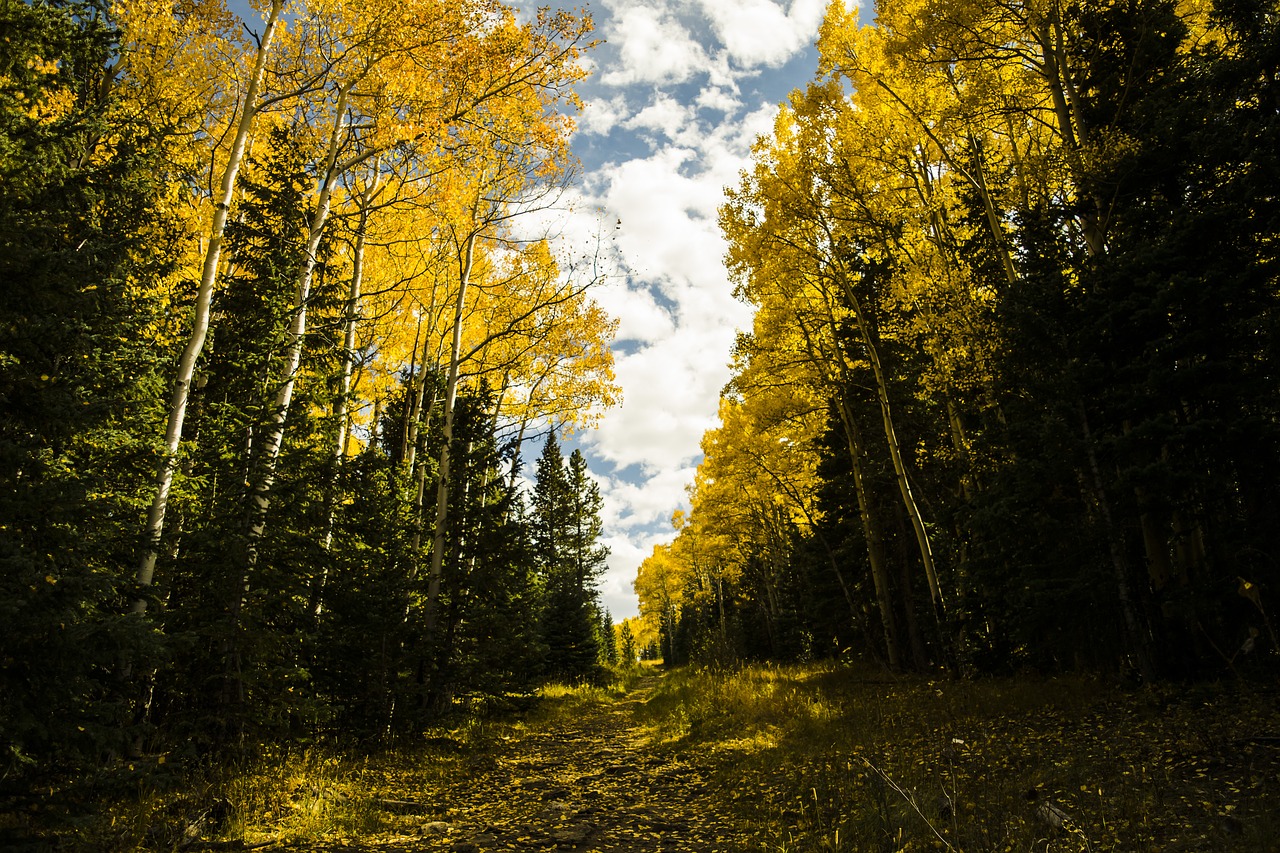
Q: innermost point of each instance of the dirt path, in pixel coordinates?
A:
(590, 784)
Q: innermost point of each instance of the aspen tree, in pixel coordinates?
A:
(248, 111)
(787, 206)
(373, 56)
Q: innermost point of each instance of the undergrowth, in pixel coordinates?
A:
(286, 793)
(826, 759)
(809, 758)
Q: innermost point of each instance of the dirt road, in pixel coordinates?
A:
(589, 783)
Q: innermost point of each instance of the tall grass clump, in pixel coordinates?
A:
(611, 683)
(279, 796)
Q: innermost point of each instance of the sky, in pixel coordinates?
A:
(679, 91)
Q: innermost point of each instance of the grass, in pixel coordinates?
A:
(825, 758)
(809, 758)
(286, 794)
(281, 795)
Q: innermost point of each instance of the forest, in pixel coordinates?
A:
(1009, 402)
(281, 313)
(277, 319)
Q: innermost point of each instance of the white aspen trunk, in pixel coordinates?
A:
(1071, 127)
(412, 403)
(343, 402)
(871, 527)
(341, 405)
(263, 474)
(515, 457)
(351, 322)
(422, 406)
(419, 492)
(260, 494)
(875, 542)
(431, 617)
(976, 179)
(895, 450)
(202, 313)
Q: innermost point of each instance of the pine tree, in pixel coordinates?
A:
(608, 642)
(627, 650)
(87, 249)
(550, 498)
(567, 528)
(246, 632)
(585, 528)
(488, 639)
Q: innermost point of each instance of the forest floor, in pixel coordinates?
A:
(584, 778)
(797, 759)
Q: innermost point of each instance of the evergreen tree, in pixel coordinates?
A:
(246, 633)
(87, 249)
(490, 641)
(361, 633)
(550, 499)
(627, 647)
(584, 526)
(567, 528)
(608, 642)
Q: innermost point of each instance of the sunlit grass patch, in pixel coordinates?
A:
(706, 704)
(314, 794)
(612, 685)
(318, 794)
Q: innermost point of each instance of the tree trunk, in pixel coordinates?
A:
(1071, 128)
(919, 654)
(202, 313)
(412, 399)
(875, 541)
(1138, 642)
(442, 488)
(419, 488)
(895, 451)
(341, 404)
(260, 494)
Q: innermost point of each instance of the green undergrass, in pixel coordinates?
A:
(825, 758)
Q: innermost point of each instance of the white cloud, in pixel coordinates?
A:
(761, 32)
(668, 239)
(640, 317)
(716, 98)
(663, 114)
(671, 392)
(669, 90)
(635, 505)
(669, 41)
(601, 115)
(653, 47)
(626, 553)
